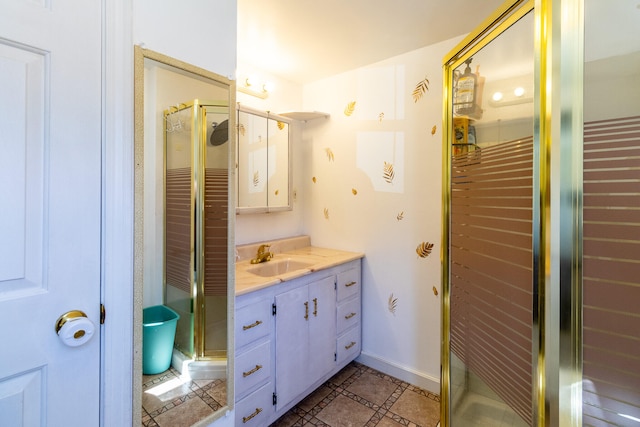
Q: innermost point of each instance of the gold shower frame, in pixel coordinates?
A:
(557, 244)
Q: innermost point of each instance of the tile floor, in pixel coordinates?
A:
(168, 401)
(356, 396)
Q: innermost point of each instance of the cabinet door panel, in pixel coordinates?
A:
(322, 327)
(253, 322)
(348, 283)
(292, 351)
(349, 344)
(256, 409)
(252, 367)
(348, 314)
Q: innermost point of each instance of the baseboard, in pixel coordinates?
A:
(418, 379)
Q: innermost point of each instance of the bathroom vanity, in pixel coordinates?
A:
(298, 322)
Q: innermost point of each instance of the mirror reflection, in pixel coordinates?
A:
(263, 161)
(491, 211)
(187, 202)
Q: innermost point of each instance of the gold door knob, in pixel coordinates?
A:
(74, 328)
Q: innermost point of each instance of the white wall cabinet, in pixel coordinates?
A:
(292, 337)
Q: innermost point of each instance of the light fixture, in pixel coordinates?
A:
(509, 96)
(252, 86)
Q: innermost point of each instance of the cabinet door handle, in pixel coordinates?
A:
(350, 284)
(347, 347)
(306, 310)
(253, 325)
(256, 412)
(350, 315)
(256, 369)
(315, 306)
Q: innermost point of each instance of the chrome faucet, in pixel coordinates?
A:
(263, 255)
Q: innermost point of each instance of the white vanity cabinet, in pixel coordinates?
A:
(292, 337)
(305, 337)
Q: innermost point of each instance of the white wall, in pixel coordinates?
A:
(199, 32)
(385, 220)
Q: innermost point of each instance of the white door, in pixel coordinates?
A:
(50, 195)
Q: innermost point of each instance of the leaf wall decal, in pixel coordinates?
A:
(435, 291)
(314, 179)
(241, 129)
(424, 249)
(256, 178)
(277, 192)
(330, 155)
(326, 213)
(350, 108)
(380, 116)
(400, 216)
(354, 191)
(280, 125)
(388, 174)
(393, 304)
(433, 130)
(421, 88)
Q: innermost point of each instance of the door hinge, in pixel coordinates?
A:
(335, 357)
(103, 314)
(335, 284)
(273, 309)
(275, 399)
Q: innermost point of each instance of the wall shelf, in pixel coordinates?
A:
(305, 116)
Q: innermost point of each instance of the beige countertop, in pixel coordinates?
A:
(314, 258)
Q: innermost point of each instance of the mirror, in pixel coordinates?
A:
(184, 251)
(264, 161)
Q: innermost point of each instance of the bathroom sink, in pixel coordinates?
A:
(275, 268)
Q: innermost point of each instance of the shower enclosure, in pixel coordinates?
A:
(196, 232)
(541, 218)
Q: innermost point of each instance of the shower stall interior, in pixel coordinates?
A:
(541, 223)
(196, 212)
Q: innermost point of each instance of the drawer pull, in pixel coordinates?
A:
(347, 347)
(257, 411)
(315, 307)
(350, 284)
(306, 310)
(253, 325)
(350, 315)
(256, 369)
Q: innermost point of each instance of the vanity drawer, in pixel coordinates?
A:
(348, 345)
(252, 322)
(349, 314)
(348, 283)
(255, 409)
(252, 368)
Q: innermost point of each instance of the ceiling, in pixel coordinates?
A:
(307, 40)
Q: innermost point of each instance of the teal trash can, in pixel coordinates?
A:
(158, 334)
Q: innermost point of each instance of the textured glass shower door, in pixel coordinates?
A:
(490, 201)
(196, 226)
